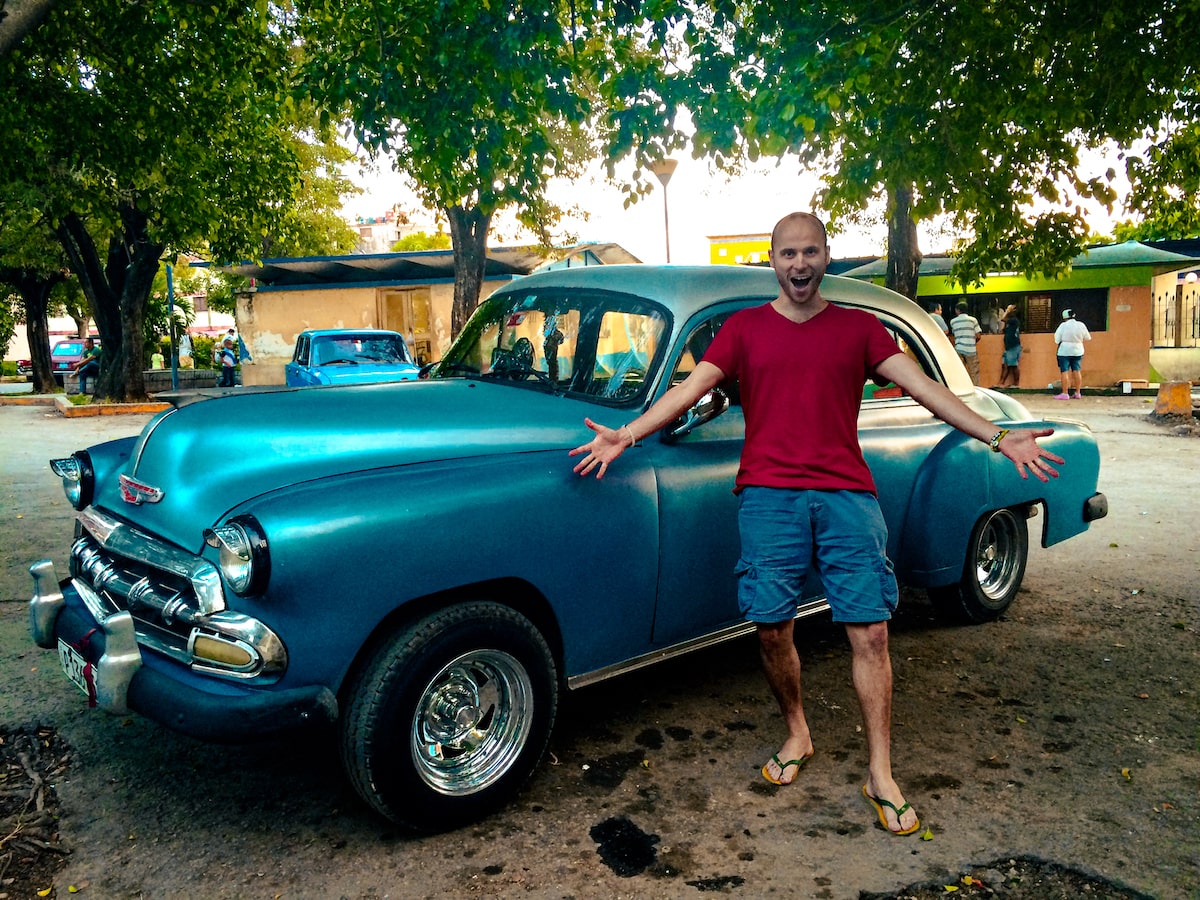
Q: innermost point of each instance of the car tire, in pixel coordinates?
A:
(992, 572)
(450, 716)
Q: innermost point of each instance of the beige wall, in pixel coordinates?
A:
(269, 321)
(1122, 353)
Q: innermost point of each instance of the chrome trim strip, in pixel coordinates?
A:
(574, 682)
(123, 540)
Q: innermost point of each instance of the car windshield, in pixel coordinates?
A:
(599, 344)
(357, 349)
(73, 348)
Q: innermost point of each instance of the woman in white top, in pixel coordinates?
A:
(1070, 336)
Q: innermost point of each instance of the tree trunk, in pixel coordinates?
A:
(35, 297)
(468, 235)
(904, 256)
(117, 293)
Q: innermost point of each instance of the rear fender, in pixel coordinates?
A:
(962, 479)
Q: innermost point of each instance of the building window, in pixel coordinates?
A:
(1040, 313)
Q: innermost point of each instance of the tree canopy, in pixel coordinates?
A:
(968, 109)
(138, 129)
(480, 104)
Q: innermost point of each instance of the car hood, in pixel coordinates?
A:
(213, 456)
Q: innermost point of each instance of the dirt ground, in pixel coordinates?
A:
(1054, 753)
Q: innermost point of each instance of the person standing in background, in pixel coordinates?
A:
(1069, 336)
(966, 339)
(1010, 363)
(935, 313)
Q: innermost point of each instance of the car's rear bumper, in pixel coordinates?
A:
(123, 676)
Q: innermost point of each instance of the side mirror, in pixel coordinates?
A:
(706, 409)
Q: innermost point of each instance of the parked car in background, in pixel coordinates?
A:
(25, 367)
(65, 355)
(349, 356)
(417, 566)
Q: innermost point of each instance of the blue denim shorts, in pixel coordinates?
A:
(1072, 363)
(842, 533)
(1012, 357)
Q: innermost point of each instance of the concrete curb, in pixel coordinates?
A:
(68, 409)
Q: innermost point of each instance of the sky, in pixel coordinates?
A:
(701, 202)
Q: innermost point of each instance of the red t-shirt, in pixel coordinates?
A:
(801, 387)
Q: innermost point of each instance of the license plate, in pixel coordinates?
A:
(78, 669)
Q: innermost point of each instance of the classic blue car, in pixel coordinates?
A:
(349, 356)
(418, 566)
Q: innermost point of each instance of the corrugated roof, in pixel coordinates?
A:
(1129, 253)
(422, 266)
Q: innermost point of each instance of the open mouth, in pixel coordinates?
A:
(801, 281)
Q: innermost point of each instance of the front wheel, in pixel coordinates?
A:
(450, 716)
(992, 572)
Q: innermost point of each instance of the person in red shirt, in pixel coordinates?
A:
(805, 491)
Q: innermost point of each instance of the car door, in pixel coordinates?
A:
(699, 547)
(296, 371)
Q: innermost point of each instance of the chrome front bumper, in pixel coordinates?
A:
(112, 674)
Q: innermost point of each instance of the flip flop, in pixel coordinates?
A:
(879, 803)
(784, 766)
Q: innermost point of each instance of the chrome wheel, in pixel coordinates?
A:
(1000, 548)
(992, 571)
(447, 716)
(472, 722)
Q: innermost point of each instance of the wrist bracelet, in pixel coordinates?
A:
(994, 443)
(632, 439)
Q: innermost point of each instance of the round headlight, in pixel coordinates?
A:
(78, 477)
(241, 554)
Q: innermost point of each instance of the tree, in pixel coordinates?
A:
(18, 18)
(968, 109)
(156, 126)
(1166, 185)
(32, 265)
(11, 313)
(420, 240)
(480, 104)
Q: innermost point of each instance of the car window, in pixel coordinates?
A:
(68, 348)
(696, 346)
(886, 390)
(301, 355)
(596, 343)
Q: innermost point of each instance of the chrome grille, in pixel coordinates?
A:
(174, 597)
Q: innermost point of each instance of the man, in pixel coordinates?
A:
(1069, 336)
(805, 490)
(966, 339)
(1010, 362)
(88, 365)
(935, 313)
(228, 362)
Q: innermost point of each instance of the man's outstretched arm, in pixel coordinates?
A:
(1020, 445)
(609, 443)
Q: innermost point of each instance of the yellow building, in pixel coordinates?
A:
(739, 249)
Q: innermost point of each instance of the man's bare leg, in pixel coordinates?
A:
(872, 671)
(781, 664)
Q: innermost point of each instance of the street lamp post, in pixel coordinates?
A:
(663, 170)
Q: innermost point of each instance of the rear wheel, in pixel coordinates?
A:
(450, 716)
(992, 572)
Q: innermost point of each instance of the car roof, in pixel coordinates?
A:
(686, 289)
(347, 332)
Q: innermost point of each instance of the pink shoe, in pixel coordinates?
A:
(1077, 396)
(1061, 397)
